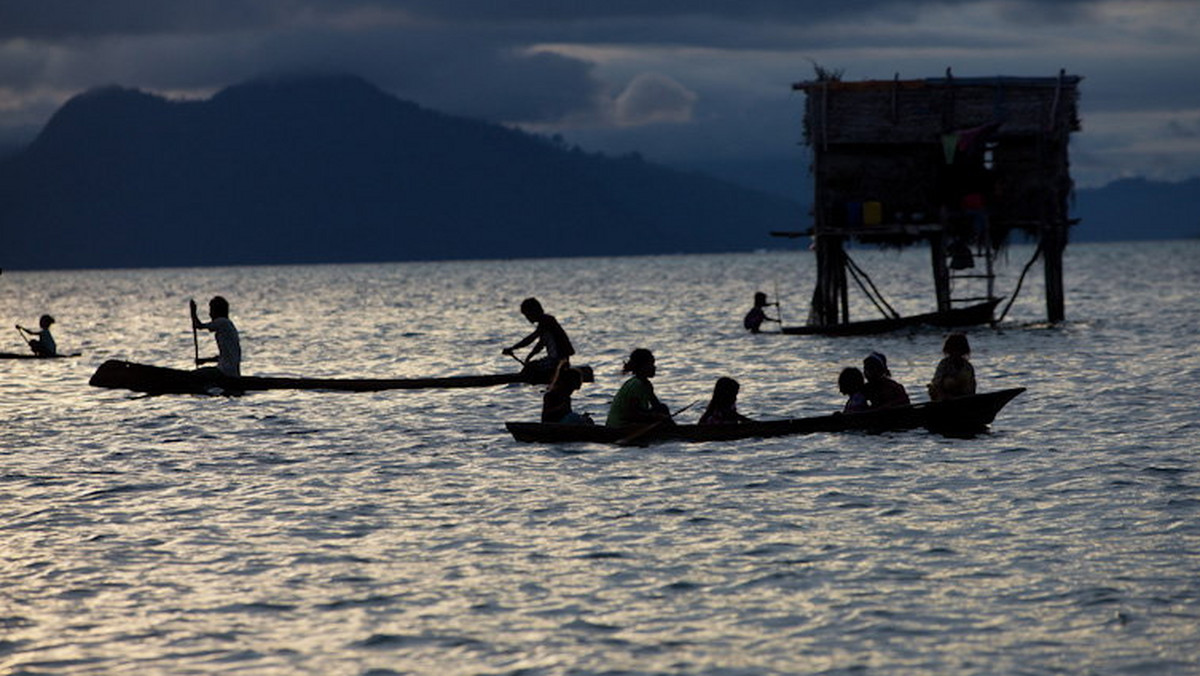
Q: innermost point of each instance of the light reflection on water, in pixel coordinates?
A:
(289, 532)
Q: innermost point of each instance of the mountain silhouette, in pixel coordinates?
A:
(332, 169)
(1138, 209)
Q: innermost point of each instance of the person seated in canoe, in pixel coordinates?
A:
(556, 402)
(636, 403)
(852, 384)
(954, 376)
(722, 408)
(43, 345)
(549, 336)
(229, 348)
(881, 390)
(756, 316)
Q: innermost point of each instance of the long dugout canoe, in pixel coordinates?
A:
(118, 374)
(30, 355)
(963, 416)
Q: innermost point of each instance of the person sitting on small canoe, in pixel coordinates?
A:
(954, 377)
(43, 345)
(636, 403)
(881, 390)
(556, 402)
(229, 347)
(756, 316)
(722, 408)
(852, 384)
(549, 335)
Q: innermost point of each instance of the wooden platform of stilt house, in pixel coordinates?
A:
(964, 164)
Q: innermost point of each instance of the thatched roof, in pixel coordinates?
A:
(915, 111)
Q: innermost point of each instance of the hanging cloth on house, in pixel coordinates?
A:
(967, 140)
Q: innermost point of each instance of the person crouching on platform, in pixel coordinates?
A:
(756, 316)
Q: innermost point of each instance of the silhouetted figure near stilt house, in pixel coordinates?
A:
(756, 316)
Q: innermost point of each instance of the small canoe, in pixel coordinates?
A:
(30, 355)
(972, 315)
(118, 374)
(964, 416)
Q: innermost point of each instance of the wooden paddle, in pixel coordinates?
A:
(195, 338)
(639, 433)
(22, 334)
(778, 309)
(520, 361)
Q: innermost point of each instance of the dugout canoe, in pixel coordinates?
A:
(964, 416)
(118, 374)
(972, 315)
(30, 355)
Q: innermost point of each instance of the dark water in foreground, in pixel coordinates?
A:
(405, 532)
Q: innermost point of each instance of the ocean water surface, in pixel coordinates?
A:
(406, 532)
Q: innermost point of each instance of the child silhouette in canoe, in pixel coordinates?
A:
(852, 384)
(954, 377)
(556, 402)
(881, 390)
(43, 345)
(722, 408)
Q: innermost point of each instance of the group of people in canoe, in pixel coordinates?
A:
(636, 403)
(873, 386)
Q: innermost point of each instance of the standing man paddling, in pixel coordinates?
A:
(549, 335)
(229, 347)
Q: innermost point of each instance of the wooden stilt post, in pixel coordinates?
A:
(843, 286)
(1054, 241)
(941, 274)
(830, 297)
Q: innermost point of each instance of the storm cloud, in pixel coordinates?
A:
(677, 80)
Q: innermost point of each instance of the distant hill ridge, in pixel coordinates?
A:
(1139, 209)
(332, 169)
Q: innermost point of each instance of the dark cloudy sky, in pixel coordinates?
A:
(677, 80)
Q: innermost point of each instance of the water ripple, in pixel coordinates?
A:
(390, 533)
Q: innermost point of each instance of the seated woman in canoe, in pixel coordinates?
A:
(852, 384)
(556, 402)
(722, 408)
(636, 403)
(229, 346)
(549, 335)
(954, 377)
(881, 390)
(43, 345)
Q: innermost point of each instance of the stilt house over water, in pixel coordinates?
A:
(959, 162)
